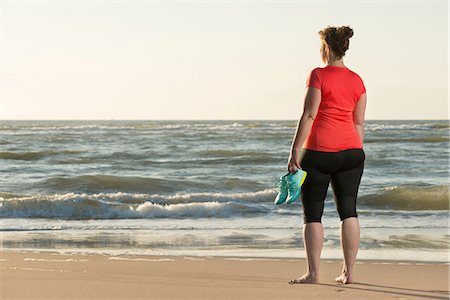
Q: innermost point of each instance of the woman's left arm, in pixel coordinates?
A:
(310, 109)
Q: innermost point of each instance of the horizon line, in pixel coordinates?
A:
(207, 119)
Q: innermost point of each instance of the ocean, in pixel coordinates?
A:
(207, 188)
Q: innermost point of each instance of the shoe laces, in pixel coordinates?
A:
(292, 186)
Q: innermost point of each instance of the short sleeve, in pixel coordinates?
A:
(314, 79)
(363, 88)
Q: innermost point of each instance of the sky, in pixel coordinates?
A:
(214, 60)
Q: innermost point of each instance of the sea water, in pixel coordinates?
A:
(207, 188)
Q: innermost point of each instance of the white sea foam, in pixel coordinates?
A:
(88, 208)
(204, 205)
(54, 260)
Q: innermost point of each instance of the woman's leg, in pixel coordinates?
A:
(313, 241)
(350, 235)
(345, 185)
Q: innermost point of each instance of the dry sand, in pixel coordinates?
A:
(46, 275)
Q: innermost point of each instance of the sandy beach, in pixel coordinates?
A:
(49, 275)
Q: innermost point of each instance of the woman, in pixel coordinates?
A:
(330, 135)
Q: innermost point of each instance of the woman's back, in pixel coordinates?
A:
(333, 128)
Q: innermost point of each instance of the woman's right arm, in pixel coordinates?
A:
(358, 116)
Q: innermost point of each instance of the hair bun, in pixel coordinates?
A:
(346, 32)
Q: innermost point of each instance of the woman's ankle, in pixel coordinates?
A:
(313, 273)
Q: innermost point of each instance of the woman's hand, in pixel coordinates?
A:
(293, 163)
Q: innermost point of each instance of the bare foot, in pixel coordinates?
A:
(307, 278)
(344, 278)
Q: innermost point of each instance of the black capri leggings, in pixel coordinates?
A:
(344, 168)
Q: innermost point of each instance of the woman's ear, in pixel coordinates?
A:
(324, 52)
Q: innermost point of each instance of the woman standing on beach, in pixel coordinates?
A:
(330, 136)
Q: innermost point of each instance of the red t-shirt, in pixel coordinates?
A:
(333, 129)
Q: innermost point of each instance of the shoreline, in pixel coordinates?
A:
(151, 257)
(35, 274)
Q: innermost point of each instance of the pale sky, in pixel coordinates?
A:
(214, 60)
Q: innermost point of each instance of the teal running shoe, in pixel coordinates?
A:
(283, 193)
(294, 184)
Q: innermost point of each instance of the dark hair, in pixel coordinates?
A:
(337, 39)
